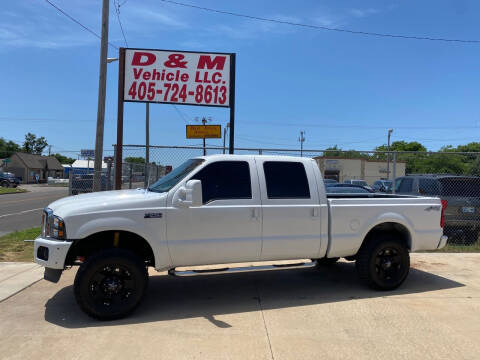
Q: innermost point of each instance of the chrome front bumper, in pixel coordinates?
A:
(442, 242)
(51, 253)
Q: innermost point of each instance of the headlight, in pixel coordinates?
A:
(53, 226)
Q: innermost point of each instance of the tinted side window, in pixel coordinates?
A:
(286, 180)
(405, 185)
(428, 187)
(225, 180)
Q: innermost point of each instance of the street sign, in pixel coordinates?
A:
(204, 131)
(178, 77)
(87, 153)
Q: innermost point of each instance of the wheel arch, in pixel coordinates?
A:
(399, 230)
(110, 239)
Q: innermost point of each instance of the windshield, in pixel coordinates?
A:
(167, 182)
(359, 182)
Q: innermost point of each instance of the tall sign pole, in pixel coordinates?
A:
(102, 85)
(119, 145)
(232, 104)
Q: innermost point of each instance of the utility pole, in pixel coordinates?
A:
(388, 154)
(302, 140)
(49, 149)
(102, 85)
(147, 143)
(204, 122)
(225, 135)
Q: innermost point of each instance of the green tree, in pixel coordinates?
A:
(7, 148)
(136, 160)
(64, 159)
(34, 145)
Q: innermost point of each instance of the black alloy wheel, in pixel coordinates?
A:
(111, 284)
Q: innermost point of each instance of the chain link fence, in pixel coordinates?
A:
(451, 176)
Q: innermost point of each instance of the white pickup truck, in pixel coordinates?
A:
(224, 209)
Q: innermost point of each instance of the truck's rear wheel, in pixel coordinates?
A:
(111, 284)
(383, 263)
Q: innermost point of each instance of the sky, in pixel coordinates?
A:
(341, 89)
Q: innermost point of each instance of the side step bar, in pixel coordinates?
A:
(302, 265)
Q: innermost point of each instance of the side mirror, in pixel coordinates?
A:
(189, 195)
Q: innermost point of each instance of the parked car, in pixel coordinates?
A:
(329, 182)
(345, 188)
(222, 209)
(8, 180)
(383, 186)
(462, 215)
(357, 182)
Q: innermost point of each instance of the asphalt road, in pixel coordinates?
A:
(24, 210)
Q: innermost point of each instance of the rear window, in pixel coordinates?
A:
(461, 187)
(286, 180)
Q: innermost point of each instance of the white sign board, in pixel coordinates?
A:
(177, 77)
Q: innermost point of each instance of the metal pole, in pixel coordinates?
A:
(232, 104)
(102, 85)
(224, 135)
(147, 142)
(394, 171)
(204, 121)
(388, 153)
(119, 145)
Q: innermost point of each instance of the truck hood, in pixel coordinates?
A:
(107, 201)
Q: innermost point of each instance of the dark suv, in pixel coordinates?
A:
(8, 180)
(462, 215)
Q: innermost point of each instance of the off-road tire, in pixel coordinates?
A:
(374, 255)
(111, 284)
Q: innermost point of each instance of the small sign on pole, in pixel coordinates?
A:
(87, 153)
(204, 131)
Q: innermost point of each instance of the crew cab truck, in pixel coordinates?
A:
(224, 209)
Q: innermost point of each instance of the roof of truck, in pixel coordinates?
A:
(237, 156)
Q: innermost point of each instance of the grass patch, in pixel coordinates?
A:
(460, 248)
(13, 248)
(9, 190)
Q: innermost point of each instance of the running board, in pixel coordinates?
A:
(302, 265)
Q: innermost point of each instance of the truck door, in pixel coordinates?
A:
(291, 209)
(227, 227)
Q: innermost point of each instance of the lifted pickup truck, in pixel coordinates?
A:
(229, 209)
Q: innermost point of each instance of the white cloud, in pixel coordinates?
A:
(155, 16)
(360, 13)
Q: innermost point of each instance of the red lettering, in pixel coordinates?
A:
(216, 77)
(143, 58)
(197, 77)
(146, 75)
(184, 77)
(137, 73)
(155, 75)
(205, 60)
(169, 77)
(175, 60)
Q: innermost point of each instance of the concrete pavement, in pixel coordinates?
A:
(287, 314)
(14, 277)
(23, 210)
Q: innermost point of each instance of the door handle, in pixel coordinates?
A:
(255, 213)
(315, 212)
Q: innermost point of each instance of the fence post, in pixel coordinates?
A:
(131, 175)
(70, 177)
(109, 175)
(394, 174)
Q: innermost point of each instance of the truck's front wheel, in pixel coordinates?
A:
(111, 284)
(383, 263)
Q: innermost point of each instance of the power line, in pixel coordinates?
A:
(180, 113)
(78, 22)
(117, 12)
(318, 27)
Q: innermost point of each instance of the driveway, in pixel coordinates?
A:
(286, 314)
(24, 210)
